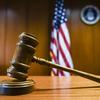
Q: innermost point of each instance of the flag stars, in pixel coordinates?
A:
(60, 14)
(63, 14)
(59, 11)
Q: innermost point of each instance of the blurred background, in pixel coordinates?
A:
(35, 16)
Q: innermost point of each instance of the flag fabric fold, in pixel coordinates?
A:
(60, 40)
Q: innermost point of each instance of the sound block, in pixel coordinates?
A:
(16, 87)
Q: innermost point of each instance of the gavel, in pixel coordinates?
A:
(18, 71)
(24, 56)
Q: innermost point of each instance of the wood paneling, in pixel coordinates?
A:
(37, 24)
(35, 16)
(2, 35)
(15, 24)
(84, 38)
(25, 16)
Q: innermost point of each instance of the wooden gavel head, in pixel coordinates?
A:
(22, 56)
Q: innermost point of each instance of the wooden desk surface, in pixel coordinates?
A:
(55, 88)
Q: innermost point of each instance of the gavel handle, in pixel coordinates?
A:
(74, 71)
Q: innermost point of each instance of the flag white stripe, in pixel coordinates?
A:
(53, 48)
(65, 50)
(62, 63)
(60, 39)
(65, 30)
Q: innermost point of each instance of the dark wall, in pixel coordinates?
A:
(35, 16)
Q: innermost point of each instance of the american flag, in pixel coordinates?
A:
(60, 40)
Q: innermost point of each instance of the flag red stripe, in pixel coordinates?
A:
(53, 40)
(53, 56)
(65, 40)
(55, 60)
(62, 73)
(54, 72)
(63, 55)
(60, 41)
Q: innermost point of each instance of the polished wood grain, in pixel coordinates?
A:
(84, 38)
(59, 88)
(23, 16)
(2, 35)
(37, 23)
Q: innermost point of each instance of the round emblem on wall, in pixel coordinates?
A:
(90, 14)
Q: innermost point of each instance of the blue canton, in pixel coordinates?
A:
(59, 14)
